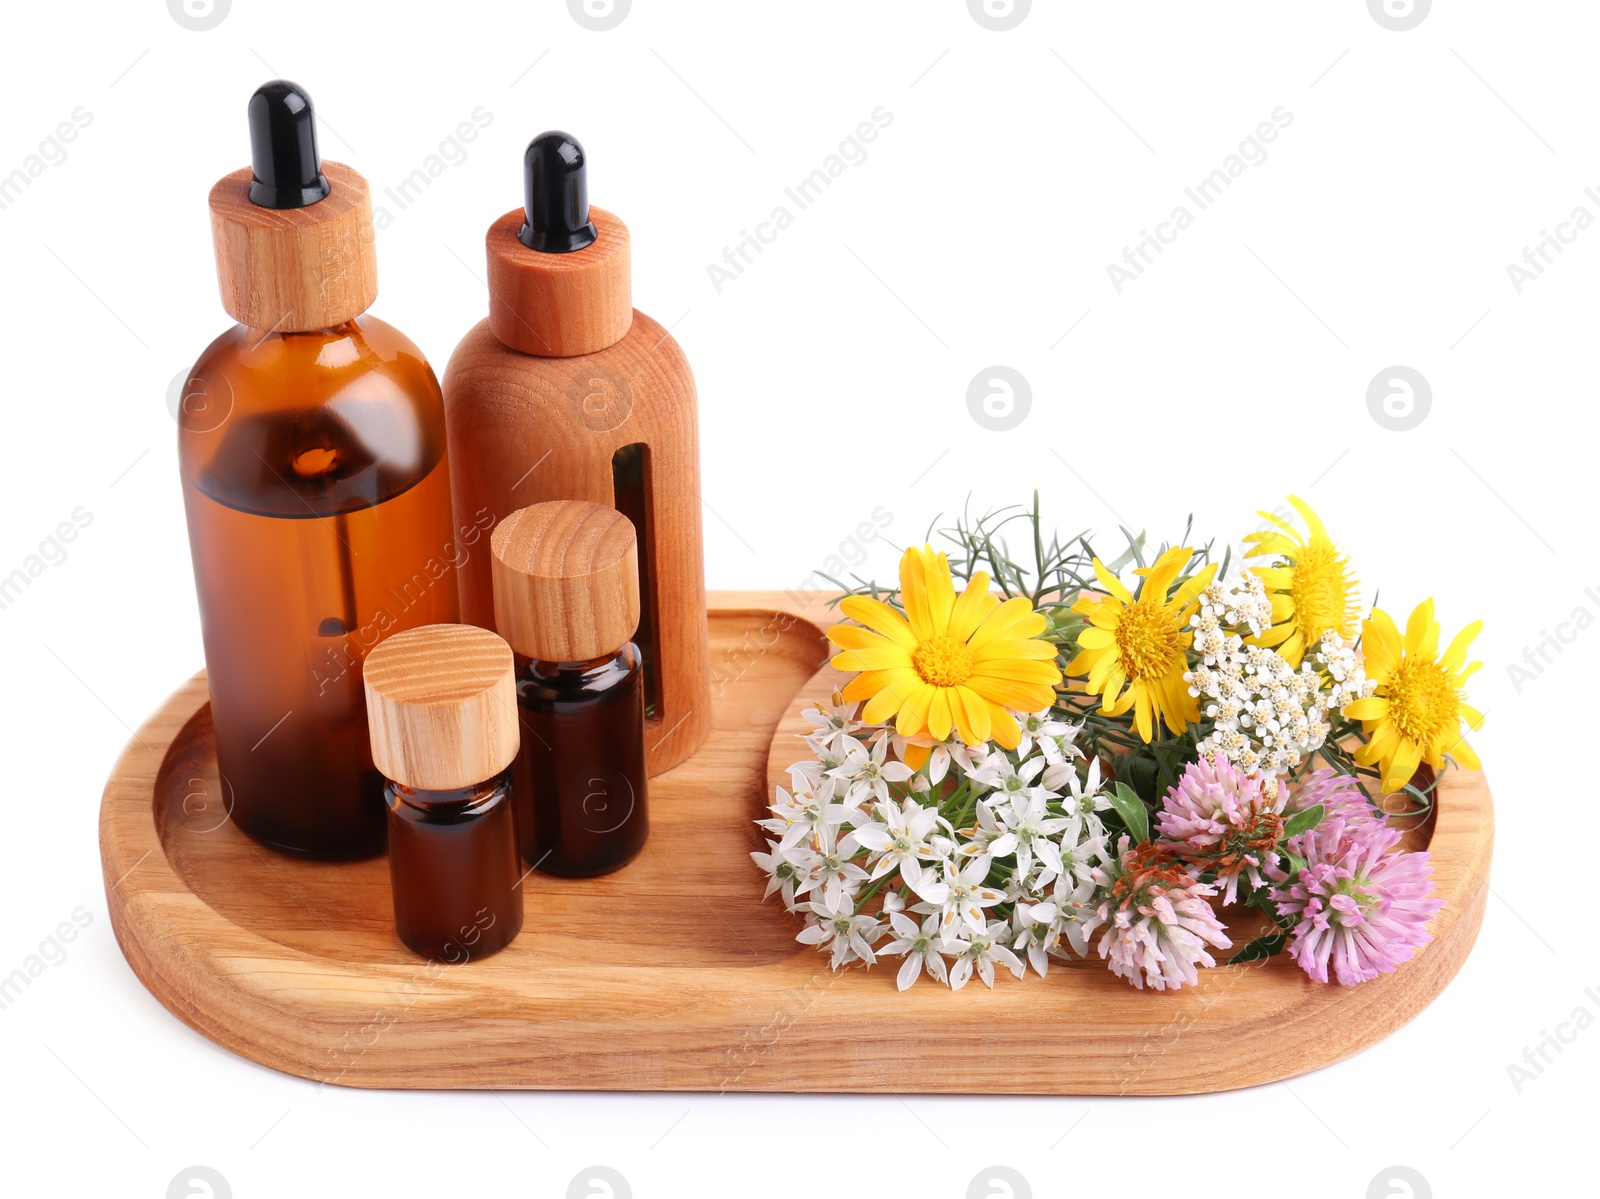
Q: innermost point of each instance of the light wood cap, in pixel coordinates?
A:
(442, 706)
(566, 580)
(560, 305)
(295, 269)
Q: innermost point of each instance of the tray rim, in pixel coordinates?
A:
(717, 1011)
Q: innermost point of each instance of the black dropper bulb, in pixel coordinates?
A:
(555, 195)
(283, 148)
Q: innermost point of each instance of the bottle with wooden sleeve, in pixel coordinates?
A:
(566, 596)
(566, 392)
(311, 443)
(443, 712)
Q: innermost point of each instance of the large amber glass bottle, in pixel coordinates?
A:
(311, 444)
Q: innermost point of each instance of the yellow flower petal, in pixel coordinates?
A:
(939, 719)
(876, 614)
(973, 605)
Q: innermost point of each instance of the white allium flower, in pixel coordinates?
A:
(1028, 829)
(833, 719)
(834, 925)
(1086, 798)
(1041, 727)
(1041, 926)
(923, 945)
(999, 773)
(796, 817)
(898, 839)
(979, 950)
(866, 775)
(965, 895)
(782, 874)
(824, 862)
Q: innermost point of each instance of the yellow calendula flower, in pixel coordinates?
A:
(951, 662)
(1416, 713)
(1312, 590)
(1142, 644)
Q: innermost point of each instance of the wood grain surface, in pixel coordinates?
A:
(672, 974)
(537, 429)
(295, 269)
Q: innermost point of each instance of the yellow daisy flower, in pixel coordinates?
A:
(1416, 714)
(1142, 643)
(1311, 588)
(951, 661)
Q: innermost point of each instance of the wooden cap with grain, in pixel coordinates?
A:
(566, 580)
(442, 706)
(291, 270)
(560, 305)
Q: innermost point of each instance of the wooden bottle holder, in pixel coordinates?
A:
(700, 986)
(540, 396)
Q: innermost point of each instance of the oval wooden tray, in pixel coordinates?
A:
(672, 974)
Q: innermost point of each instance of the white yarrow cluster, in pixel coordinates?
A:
(981, 857)
(1268, 716)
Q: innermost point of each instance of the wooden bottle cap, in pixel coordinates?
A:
(442, 706)
(295, 269)
(560, 305)
(566, 580)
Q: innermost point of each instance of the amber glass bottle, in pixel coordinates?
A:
(444, 732)
(566, 592)
(311, 445)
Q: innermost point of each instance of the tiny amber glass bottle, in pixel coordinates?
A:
(566, 594)
(580, 775)
(441, 706)
(455, 870)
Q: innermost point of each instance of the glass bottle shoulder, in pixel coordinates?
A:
(312, 423)
(599, 683)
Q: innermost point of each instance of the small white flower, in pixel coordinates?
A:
(822, 863)
(1086, 798)
(867, 775)
(965, 895)
(898, 839)
(796, 817)
(832, 719)
(1028, 829)
(980, 949)
(838, 928)
(1039, 728)
(1000, 774)
(782, 874)
(923, 946)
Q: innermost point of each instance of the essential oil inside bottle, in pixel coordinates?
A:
(580, 773)
(311, 443)
(566, 596)
(443, 722)
(454, 869)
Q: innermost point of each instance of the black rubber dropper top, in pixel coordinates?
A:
(283, 148)
(555, 191)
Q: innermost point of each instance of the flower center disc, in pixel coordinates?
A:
(1422, 699)
(943, 661)
(1147, 642)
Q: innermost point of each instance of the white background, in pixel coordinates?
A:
(833, 376)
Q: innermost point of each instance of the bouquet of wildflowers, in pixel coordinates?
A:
(1083, 767)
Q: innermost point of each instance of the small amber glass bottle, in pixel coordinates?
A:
(566, 596)
(441, 705)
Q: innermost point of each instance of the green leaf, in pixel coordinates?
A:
(1296, 863)
(1302, 822)
(1131, 808)
(1259, 949)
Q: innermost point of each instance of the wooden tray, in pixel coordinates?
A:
(672, 974)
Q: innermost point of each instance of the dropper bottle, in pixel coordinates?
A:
(312, 449)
